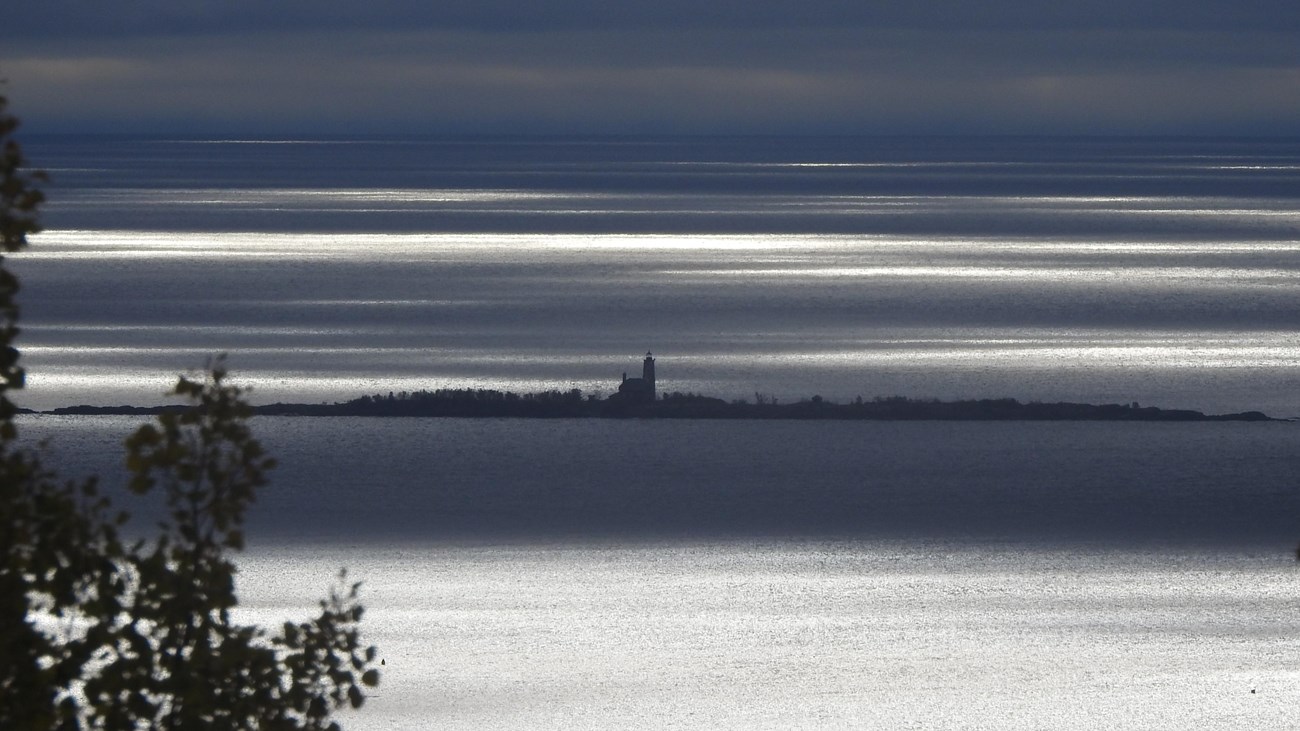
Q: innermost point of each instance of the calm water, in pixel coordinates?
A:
(584, 574)
(1160, 271)
(341, 479)
(581, 574)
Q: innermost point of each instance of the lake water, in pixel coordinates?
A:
(401, 480)
(1157, 271)
(597, 574)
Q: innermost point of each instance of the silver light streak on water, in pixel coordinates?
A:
(733, 574)
(1160, 271)
(809, 635)
(319, 317)
(589, 574)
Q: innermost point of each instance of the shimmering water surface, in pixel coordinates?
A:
(812, 635)
(1158, 271)
(585, 574)
(653, 574)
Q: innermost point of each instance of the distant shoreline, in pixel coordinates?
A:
(467, 403)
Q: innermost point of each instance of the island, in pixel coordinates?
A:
(641, 398)
(480, 403)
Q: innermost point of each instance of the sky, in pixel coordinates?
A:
(250, 67)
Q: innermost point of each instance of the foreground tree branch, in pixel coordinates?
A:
(96, 633)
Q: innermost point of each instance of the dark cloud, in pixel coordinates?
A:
(582, 66)
(59, 18)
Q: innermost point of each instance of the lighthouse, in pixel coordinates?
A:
(643, 388)
(648, 372)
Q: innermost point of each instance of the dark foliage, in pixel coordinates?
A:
(96, 633)
(573, 405)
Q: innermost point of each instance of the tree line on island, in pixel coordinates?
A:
(575, 404)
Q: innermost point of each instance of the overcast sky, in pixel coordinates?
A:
(697, 66)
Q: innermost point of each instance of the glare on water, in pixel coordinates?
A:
(1159, 271)
(730, 315)
(853, 575)
(841, 575)
(809, 634)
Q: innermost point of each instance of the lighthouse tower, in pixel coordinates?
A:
(648, 372)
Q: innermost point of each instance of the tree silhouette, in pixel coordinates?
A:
(99, 633)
